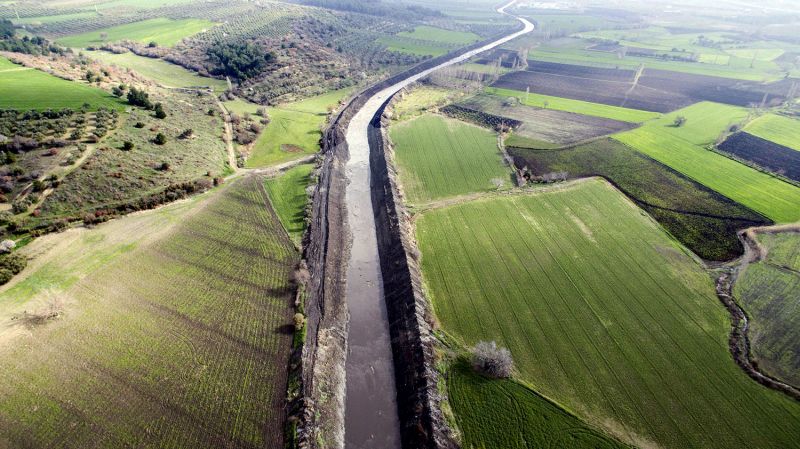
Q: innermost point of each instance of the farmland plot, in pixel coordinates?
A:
(294, 129)
(576, 106)
(287, 192)
(24, 89)
(535, 422)
(428, 41)
(682, 148)
(440, 157)
(656, 90)
(702, 219)
(770, 291)
(602, 312)
(763, 153)
(162, 31)
(776, 128)
(548, 125)
(158, 70)
(170, 330)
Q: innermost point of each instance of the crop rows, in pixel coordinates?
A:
(767, 290)
(177, 344)
(682, 148)
(702, 219)
(764, 154)
(441, 157)
(547, 124)
(603, 313)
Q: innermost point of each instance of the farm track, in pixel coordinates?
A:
(739, 341)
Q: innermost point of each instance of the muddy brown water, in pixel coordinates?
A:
(371, 419)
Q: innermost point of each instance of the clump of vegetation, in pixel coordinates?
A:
(239, 60)
(11, 264)
(679, 121)
(29, 45)
(139, 98)
(492, 360)
(160, 139)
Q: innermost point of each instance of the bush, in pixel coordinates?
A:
(127, 145)
(13, 262)
(139, 98)
(159, 110)
(492, 360)
(160, 139)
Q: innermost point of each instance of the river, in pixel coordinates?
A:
(371, 419)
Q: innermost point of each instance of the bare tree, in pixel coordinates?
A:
(492, 360)
(498, 183)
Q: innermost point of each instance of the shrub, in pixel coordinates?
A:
(139, 98)
(492, 360)
(679, 121)
(139, 125)
(127, 145)
(159, 110)
(187, 133)
(160, 139)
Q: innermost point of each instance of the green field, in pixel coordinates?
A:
(169, 333)
(682, 148)
(287, 192)
(420, 99)
(603, 312)
(576, 106)
(767, 290)
(163, 31)
(776, 128)
(702, 219)
(294, 129)
(502, 414)
(440, 157)
(433, 34)
(54, 19)
(427, 41)
(25, 89)
(158, 70)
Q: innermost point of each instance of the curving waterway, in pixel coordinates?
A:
(371, 419)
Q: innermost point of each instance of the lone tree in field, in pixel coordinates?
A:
(492, 360)
(679, 121)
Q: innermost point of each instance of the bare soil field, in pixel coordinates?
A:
(657, 90)
(563, 128)
(763, 153)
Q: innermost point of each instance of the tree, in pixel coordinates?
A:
(127, 145)
(153, 44)
(160, 139)
(679, 121)
(186, 134)
(6, 29)
(159, 110)
(116, 91)
(139, 98)
(492, 360)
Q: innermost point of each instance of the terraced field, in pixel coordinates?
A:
(534, 422)
(170, 330)
(768, 291)
(287, 192)
(24, 89)
(158, 70)
(776, 128)
(163, 31)
(576, 106)
(440, 157)
(682, 148)
(602, 312)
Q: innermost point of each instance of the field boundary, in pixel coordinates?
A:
(739, 341)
